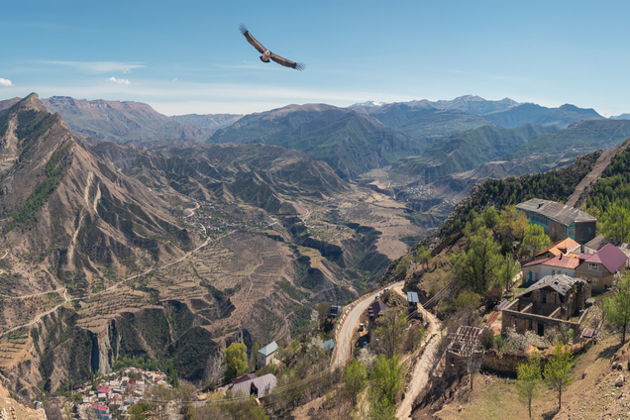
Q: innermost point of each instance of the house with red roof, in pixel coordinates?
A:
(602, 269)
(550, 266)
(101, 411)
(103, 389)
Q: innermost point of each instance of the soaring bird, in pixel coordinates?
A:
(266, 54)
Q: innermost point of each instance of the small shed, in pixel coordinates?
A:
(329, 345)
(267, 354)
(376, 309)
(412, 302)
(257, 386)
(334, 311)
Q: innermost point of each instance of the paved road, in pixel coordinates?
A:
(350, 324)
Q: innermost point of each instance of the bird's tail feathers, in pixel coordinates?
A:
(300, 66)
(242, 28)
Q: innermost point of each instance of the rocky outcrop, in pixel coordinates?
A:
(63, 353)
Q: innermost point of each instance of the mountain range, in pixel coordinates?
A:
(169, 254)
(131, 234)
(130, 122)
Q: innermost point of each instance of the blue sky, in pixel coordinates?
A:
(188, 56)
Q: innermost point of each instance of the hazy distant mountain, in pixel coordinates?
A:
(131, 122)
(540, 115)
(621, 117)
(469, 104)
(208, 122)
(8, 103)
(349, 142)
(475, 104)
(465, 151)
(579, 138)
(423, 121)
(120, 121)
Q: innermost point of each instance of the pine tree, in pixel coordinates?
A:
(528, 380)
(557, 373)
(617, 306)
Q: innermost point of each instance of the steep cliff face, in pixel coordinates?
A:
(62, 352)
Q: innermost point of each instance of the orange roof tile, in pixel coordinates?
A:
(562, 247)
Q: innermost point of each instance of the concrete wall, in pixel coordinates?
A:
(539, 271)
(585, 231)
(582, 232)
(539, 324)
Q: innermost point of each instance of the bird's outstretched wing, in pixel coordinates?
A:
(286, 62)
(260, 47)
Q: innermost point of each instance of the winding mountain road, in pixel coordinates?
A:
(421, 369)
(350, 324)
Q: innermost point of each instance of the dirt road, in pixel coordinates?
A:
(350, 323)
(423, 366)
(591, 178)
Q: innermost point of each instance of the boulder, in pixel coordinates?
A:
(620, 380)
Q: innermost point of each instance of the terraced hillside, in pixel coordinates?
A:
(118, 252)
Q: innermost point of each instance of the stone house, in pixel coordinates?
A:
(549, 303)
(602, 269)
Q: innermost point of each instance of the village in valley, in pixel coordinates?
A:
(551, 299)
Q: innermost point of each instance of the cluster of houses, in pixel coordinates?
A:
(561, 278)
(112, 397)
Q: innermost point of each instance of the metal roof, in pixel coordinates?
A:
(562, 262)
(261, 385)
(412, 297)
(376, 308)
(561, 283)
(561, 213)
(268, 349)
(610, 257)
(596, 243)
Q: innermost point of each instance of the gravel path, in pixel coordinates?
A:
(350, 324)
(423, 366)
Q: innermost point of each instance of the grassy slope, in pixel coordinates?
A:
(588, 397)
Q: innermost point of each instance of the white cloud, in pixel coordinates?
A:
(98, 66)
(5, 82)
(119, 81)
